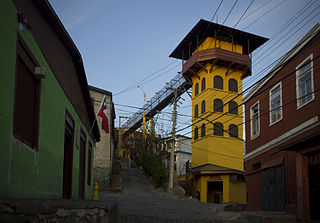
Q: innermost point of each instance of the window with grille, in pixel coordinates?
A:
(218, 129)
(217, 105)
(218, 82)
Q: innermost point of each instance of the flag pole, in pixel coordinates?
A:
(95, 120)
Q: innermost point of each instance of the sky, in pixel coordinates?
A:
(125, 44)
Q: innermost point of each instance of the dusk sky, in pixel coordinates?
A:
(123, 43)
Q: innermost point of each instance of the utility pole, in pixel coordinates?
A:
(119, 141)
(173, 138)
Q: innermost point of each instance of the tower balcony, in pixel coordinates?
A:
(218, 57)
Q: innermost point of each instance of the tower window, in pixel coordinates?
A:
(233, 108)
(196, 136)
(203, 84)
(217, 105)
(233, 131)
(196, 89)
(196, 111)
(218, 129)
(218, 82)
(233, 85)
(203, 130)
(203, 106)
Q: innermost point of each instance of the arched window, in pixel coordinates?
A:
(203, 106)
(196, 89)
(203, 130)
(196, 133)
(233, 85)
(233, 108)
(203, 84)
(218, 129)
(218, 82)
(196, 111)
(233, 131)
(217, 105)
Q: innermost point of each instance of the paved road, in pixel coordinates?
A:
(139, 202)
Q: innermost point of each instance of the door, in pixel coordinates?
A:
(273, 193)
(215, 192)
(68, 157)
(314, 191)
(82, 165)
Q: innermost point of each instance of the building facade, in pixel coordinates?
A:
(105, 149)
(282, 128)
(217, 58)
(182, 153)
(46, 149)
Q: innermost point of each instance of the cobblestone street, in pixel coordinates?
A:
(139, 202)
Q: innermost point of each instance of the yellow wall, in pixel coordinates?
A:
(223, 151)
(210, 43)
(232, 191)
(238, 192)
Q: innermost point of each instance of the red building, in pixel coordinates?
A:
(282, 113)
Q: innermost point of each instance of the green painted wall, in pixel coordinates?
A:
(24, 172)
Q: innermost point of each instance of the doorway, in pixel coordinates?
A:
(314, 191)
(215, 192)
(82, 165)
(68, 157)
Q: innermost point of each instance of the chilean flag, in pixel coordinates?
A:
(103, 114)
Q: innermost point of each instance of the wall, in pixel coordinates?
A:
(223, 151)
(23, 171)
(209, 43)
(238, 192)
(102, 156)
(292, 116)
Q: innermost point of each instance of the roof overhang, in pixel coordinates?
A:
(204, 29)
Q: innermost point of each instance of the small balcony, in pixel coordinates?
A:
(216, 56)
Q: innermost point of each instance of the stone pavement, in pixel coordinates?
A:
(139, 202)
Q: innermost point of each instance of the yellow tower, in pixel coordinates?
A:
(216, 60)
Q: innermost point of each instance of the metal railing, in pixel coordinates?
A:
(161, 96)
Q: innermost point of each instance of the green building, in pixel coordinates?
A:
(46, 147)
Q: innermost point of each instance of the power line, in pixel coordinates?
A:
(243, 14)
(256, 20)
(148, 76)
(243, 103)
(254, 84)
(230, 12)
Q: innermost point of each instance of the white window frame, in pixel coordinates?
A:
(310, 57)
(270, 109)
(251, 121)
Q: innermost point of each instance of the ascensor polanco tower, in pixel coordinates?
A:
(216, 59)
